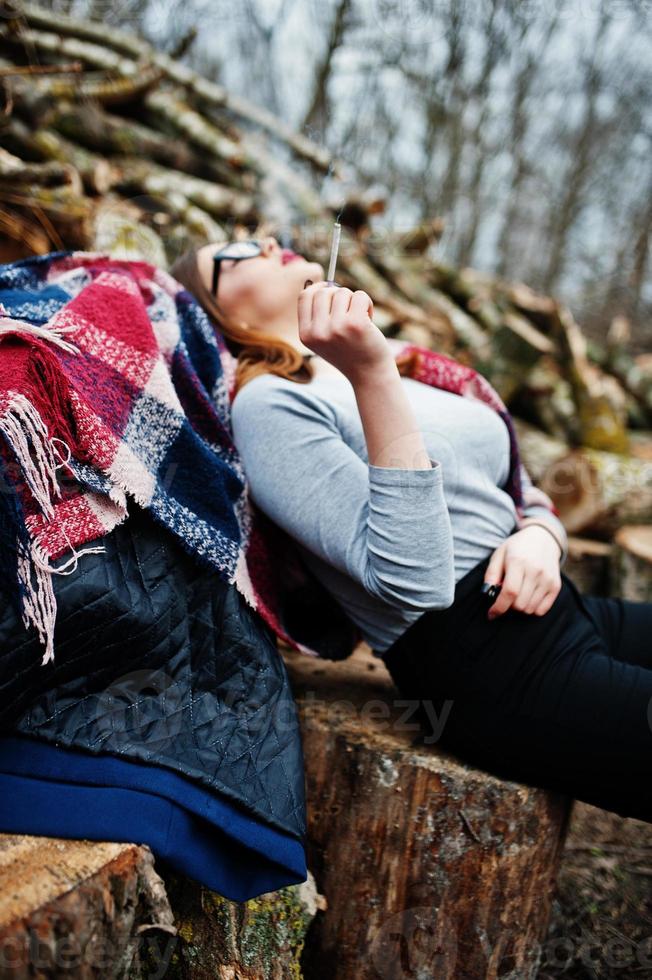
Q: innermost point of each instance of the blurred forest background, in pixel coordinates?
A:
(526, 125)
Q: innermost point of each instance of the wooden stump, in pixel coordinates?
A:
(430, 868)
(78, 908)
(261, 939)
(94, 909)
(588, 565)
(631, 565)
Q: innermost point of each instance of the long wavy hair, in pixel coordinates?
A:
(256, 352)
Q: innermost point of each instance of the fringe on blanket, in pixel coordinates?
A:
(27, 435)
(25, 563)
(23, 428)
(53, 334)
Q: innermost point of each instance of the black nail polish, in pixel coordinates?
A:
(491, 591)
(307, 283)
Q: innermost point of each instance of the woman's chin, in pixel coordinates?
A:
(310, 270)
(301, 269)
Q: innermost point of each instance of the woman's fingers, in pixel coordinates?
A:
(361, 303)
(341, 302)
(528, 584)
(305, 304)
(321, 303)
(523, 589)
(328, 326)
(532, 589)
(546, 602)
(495, 570)
(536, 598)
(511, 586)
(493, 573)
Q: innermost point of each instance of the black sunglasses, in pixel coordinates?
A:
(237, 251)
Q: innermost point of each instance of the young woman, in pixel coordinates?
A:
(394, 492)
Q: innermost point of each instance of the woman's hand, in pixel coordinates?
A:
(337, 324)
(527, 566)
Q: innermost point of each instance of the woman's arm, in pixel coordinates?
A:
(391, 432)
(337, 323)
(387, 527)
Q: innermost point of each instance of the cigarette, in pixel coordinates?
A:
(335, 246)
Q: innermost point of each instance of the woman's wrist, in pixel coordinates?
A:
(536, 522)
(382, 373)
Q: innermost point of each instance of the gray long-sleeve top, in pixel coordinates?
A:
(387, 542)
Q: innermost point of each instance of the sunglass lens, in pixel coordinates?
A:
(241, 250)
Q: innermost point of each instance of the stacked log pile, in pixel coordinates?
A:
(109, 144)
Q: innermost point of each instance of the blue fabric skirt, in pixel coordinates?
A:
(56, 791)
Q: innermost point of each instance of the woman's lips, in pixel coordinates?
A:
(287, 255)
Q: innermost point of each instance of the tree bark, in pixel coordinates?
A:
(133, 172)
(95, 171)
(448, 870)
(208, 92)
(588, 565)
(631, 567)
(84, 904)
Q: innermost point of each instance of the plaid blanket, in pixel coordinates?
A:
(114, 382)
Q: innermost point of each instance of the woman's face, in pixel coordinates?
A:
(260, 290)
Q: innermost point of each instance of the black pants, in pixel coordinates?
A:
(561, 701)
